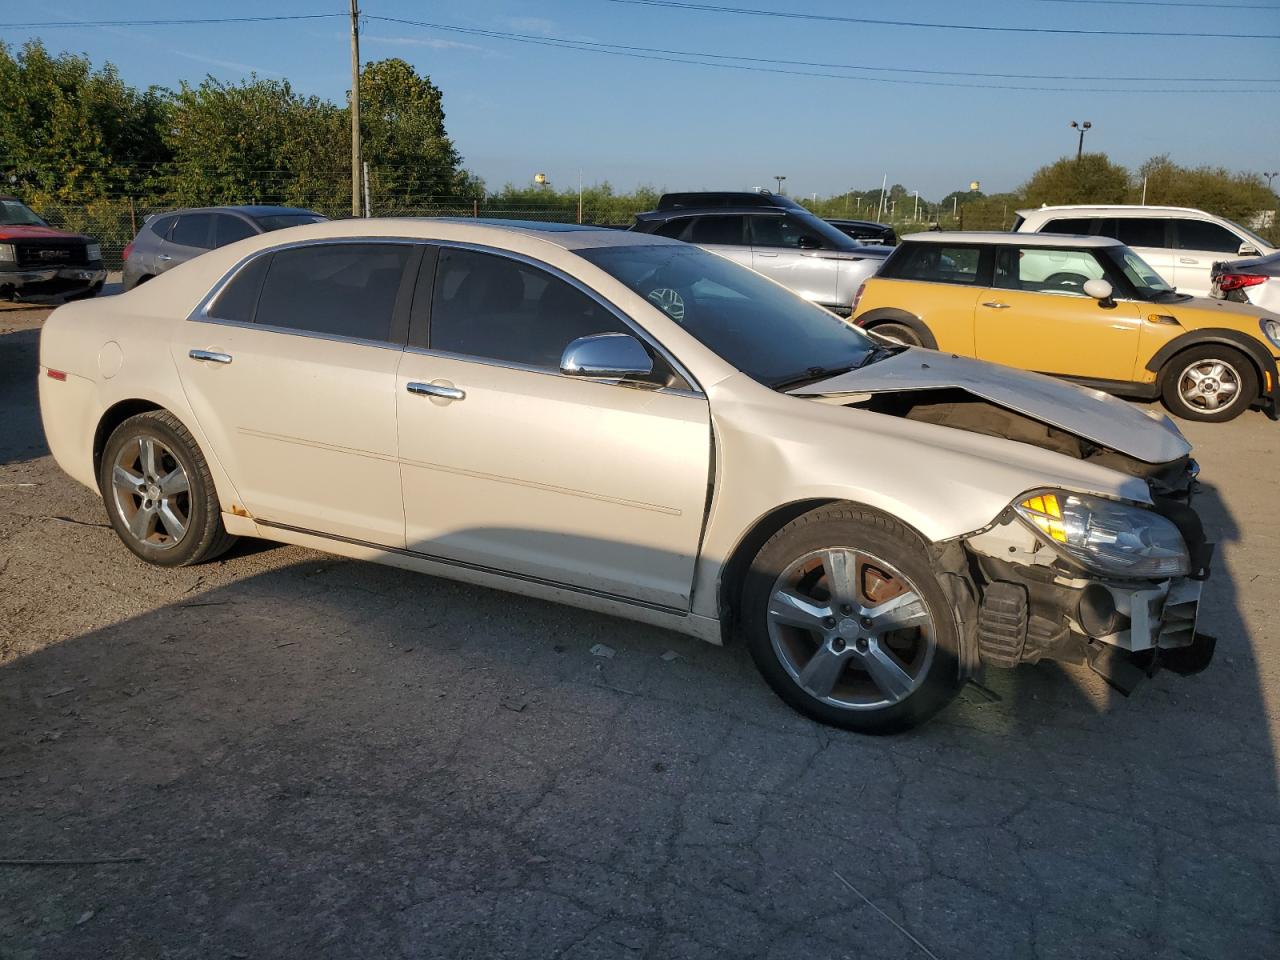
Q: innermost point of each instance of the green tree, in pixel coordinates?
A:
(72, 133)
(403, 139)
(1236, 196)
(1091, 179)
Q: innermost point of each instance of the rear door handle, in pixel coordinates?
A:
(996, 305)
(1188, 260)
(163, 256)
(209, 356)
(761, 254)
(436, 390)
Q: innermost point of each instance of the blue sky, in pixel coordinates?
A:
(515, 109)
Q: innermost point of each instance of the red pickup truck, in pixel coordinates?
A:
(38, 261)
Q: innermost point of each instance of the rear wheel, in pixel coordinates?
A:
(899, 333)
(1209, 383)
(847, 621)
(159, 495)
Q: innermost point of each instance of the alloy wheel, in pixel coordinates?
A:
(1209, 385)
(851, 629)
(151, 493)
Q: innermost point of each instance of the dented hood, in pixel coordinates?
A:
(1091, 414)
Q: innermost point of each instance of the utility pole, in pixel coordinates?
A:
(916, 216)
(355, 108)
(883, 183)
(1082, 127)
(1271, 176)
(779, 179)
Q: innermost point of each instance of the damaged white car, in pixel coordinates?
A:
(636, 426)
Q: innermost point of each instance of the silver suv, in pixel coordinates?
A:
(169, 239)
(774, 236)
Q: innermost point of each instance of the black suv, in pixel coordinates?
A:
(773, 235)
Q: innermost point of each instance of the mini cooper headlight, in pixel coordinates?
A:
(1107, 537)
(93, 252)
(1270, 330)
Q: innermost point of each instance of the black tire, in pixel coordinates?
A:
(879, 538)
(204, 537)
(1177, 383)
(899, 332)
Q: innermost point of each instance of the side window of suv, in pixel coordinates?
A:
(934, 262)
(161, 226)
(674, 228)
(1203, 235)
(1136, 231)
(1079, 226)
(784, 231)
(724, 230)
(192, 230)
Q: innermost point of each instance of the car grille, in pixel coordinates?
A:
(37, 254)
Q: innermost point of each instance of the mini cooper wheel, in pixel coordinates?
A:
(847, 621)
(158, 493)
(898, 333)
(1210, 383)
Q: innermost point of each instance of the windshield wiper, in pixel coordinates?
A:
(811, 375)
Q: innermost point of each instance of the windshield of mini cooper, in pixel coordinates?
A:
(16, 214)
(1141, 274)
(761, 328)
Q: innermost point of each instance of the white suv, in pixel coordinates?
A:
(1182, 244)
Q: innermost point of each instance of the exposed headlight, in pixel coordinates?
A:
(93, 251)
(1107, 537)
(7, 253)
(1270, 329)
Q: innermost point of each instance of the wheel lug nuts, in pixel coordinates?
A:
(867, 621)
(846, 609)
(828, 621)
(837, 644)
(862, 644)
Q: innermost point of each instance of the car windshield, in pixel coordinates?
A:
(14, 213)
(763, 329)
(280, 221)
(1144, 278)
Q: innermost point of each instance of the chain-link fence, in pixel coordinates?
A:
(113, 223)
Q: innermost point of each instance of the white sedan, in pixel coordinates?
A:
(637, 426)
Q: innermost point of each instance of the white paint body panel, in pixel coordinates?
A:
(485, 478)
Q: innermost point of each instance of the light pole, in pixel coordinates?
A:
(1271, 176)
(779, 179)
(1082, 127)
(915, 217)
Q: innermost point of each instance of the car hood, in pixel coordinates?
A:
(32, 232)
(1095, 416)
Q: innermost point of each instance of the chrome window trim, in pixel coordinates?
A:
(591, 294)
(201, 312)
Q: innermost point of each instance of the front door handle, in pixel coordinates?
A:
(209, 356)
(760, 253)
(436, 390)
(996, 305)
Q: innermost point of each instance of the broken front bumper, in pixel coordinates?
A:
(1030, 609)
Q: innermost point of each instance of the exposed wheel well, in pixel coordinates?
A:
(115, 416)
(731, 578)
(874, 318)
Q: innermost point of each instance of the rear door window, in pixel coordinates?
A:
(229, 229)
(674, 229)
(161, 226)
(239, 298)
(1078, 226)
(339, 289)
(775, 231)
(727, 230)
(192, 230)
(1203, 235)
(1137, 231)
(937, 263)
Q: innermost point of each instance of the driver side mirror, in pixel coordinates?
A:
(1100, 290)
(1248, 250)
(606, 356)
(808, 243)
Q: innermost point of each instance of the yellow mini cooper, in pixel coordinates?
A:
(1084, 308)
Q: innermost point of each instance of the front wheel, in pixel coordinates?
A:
(846, 619)
(158, 493)
(1210, 383)
(898, 333)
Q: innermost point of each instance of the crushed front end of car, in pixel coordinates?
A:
(1115, 584)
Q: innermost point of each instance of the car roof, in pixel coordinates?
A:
(1012, 239)
(1116, 208)
(677, 212)
(845, 221)
(248, 209)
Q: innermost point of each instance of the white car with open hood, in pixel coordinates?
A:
(634, 425)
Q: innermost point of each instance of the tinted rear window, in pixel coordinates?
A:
(192, 230)
(1082, 226)
(229, 229)
(719, 230)
(341, 289)
(934, 262)
(239, 297)
(280, 221)
(1135, 231)
(161, 226)
(1203, 235)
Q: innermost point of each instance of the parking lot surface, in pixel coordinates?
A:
(293, 755)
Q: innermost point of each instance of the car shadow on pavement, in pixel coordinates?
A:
(336, 758)
(21, 436)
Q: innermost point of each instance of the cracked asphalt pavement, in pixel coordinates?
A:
(302, 756)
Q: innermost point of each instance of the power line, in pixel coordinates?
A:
(176, 22)
(982, 28)
(1173, 3)
(691, 57)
